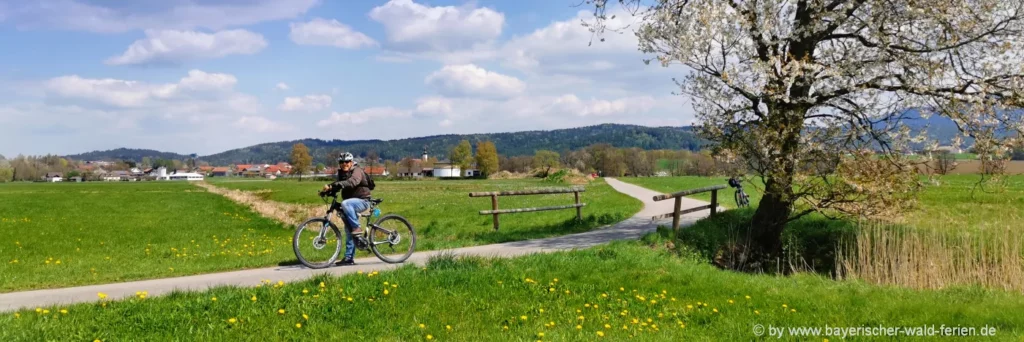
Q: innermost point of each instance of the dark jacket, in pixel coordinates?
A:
(353, 183)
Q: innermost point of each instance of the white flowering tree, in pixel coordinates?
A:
(812, 93)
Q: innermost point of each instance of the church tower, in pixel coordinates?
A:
(424, 153)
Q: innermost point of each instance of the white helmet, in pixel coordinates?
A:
(344, 157)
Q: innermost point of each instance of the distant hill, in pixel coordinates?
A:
(508, 144)
(127, 154)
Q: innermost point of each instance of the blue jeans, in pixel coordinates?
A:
(350, 210)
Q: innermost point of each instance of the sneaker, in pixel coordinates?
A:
(357, 231)
(346, 261)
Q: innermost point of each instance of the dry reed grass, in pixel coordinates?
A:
(287, 213)
(930, 259)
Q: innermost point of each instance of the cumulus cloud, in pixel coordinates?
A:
(471, 80)
(199, 91)
(308, 103)
(172, 47)
(366, 115)
(122, 16)
(440, 30)
(282, 86)
(325, 32)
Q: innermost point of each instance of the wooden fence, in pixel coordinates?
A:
(678, 197)
(494, 201)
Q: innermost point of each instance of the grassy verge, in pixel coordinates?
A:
(611, 292)
(58, 235)
(446, 217)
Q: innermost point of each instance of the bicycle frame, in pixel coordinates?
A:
(336, 206)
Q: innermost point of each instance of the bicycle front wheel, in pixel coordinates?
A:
(392, 239)
(317, 243)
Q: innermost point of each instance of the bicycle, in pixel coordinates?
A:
(741, 197)
(373, 238)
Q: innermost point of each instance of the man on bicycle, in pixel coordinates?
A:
(355, 194)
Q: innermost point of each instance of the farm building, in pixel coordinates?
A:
(54, 177)
(186, 176)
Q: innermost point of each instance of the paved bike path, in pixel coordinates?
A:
(632, 228)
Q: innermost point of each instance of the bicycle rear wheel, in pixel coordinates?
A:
(312, 250)
(392, 239)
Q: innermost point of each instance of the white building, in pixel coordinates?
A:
(442, 170)
(186, 176)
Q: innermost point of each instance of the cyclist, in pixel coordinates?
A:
(355, 194)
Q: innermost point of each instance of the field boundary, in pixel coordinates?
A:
(632, 228)
(287, 213)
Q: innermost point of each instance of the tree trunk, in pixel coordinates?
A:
(770, 219)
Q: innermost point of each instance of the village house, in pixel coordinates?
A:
(53, 177)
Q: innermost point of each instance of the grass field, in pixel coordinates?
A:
(445, 216)
(61, 235)
(957, 202)
(675, 184)
(620, 291)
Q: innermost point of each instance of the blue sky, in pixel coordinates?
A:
(191, 76)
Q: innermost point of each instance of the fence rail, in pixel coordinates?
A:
(495, 194)
(678, 196)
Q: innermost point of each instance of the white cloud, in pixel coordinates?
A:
(172, 47)
(260, 124)
(366, 115)
(308, 103)
(131, 94)
(123, 16)
(416, 28)
(324, 32)
(282, 86)
(471, 80)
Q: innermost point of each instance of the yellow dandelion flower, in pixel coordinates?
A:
(253, 298)
(232, 320)
(298, 325)
(552, 289)
(757, 312)
(504, 327)
(102, 295)
(792, 310)
(280, 283)
(566, 291)
(748, 297)
(46, 311)
(322, 284)
(715, 310)
(523, 317)
(423, 326)
(785, 306)
(430, 337)
(542, 310)
(214, 299)
(540, 334)
(604, 295)
(385, 292)
(730, 301)
(600, 333)
(448, 327)
(305, 291)
(578, 327)
(689, 306)
(64, 311)
(280, 311)
(654, 301)
(305, 317)
(622, 289)
(607, 326)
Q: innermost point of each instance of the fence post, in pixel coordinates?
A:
(675, 216)
(579, 215)
(494, 205)
(714, 202)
